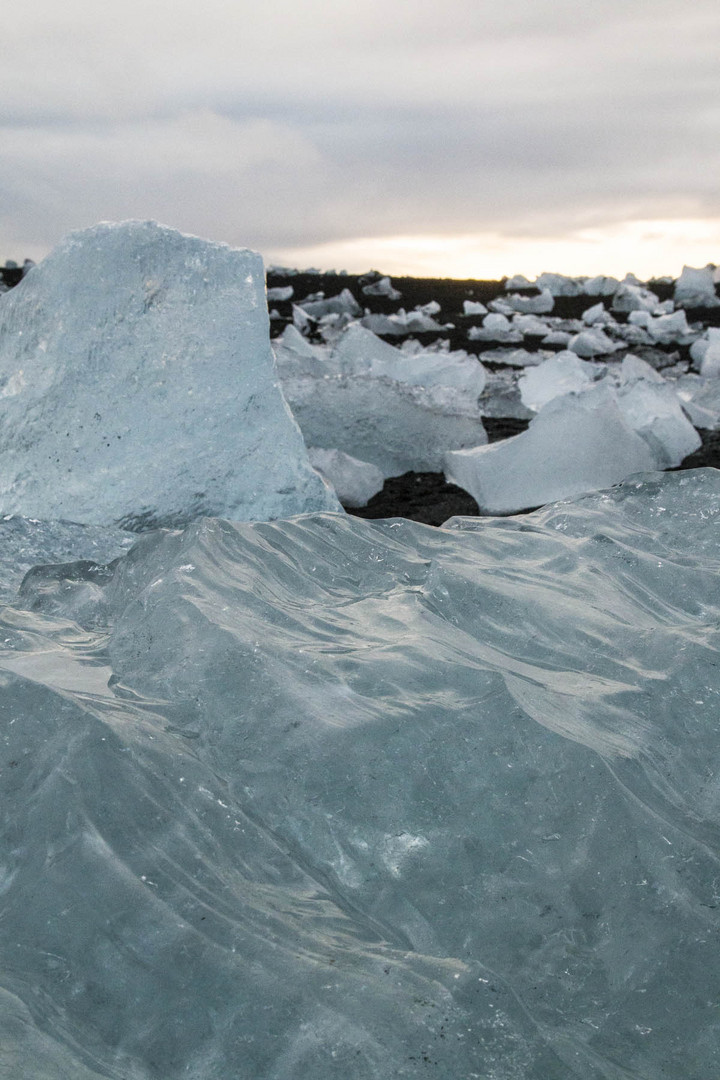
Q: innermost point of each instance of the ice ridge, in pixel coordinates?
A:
(323, 797)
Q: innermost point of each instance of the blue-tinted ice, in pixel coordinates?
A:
(333, 798)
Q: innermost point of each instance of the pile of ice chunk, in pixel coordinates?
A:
(138, 386)
(325, 797)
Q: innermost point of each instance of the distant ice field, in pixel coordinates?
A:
(326, 797)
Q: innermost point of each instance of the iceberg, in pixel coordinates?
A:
(139, 388)
(593, 342)
(324, 797)
(559, 284)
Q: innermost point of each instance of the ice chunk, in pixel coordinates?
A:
(360, 351)
(280, 293)
(501, 306)
(651, 407)
(394, 425)
(344, 303)
(382, 287)
(705, 352)
(666, 329)
(541, 304)
(560, 284)
(561, 374)
(296, 356)
(515, 357)
(501, 397)
(355, 482)
(578, 442)
(597, 315)
(593, 342)
(696, 288)
(301, 320)
(518, 281)
(530, 326)
(601, 286)
(559, 338)
(634, 297)
(139, 386)
(402, 322)
(473, 307)
(397, 410)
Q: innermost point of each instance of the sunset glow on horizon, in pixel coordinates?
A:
(645, 248)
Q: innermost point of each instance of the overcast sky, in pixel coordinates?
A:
(462, 138)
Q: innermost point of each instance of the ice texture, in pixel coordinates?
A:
(343, 303)
(541, 304)
(696, 287)
(355, 482)
(399, 411)
(138, 386)
(578, 442)
(652, 408)
(333, 798)
(700, 398)
(563, 373)
(634, 297)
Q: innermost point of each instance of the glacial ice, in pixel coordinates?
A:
(696, 288)
(563, 373)
(396, 410)
(700, 398)
(474, 307)
(355, 482)
(343, 303)
(559, 284)
(592, 342)
(382, 287)
(652, 408)
(138, 386)
(576, 443)
(601, 285)
(631, 297)
(541, 304)
(333, 798)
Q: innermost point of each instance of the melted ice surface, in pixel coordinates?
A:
(328, 797)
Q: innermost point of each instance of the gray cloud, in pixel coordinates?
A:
(299, 124)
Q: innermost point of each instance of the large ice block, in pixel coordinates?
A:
(578, 442)
(329, 799)
(563, 373)
(138, 386)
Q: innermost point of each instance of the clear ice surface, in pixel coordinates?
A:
(138, 386)
(395, 409)
(325, 798)
(355, 482)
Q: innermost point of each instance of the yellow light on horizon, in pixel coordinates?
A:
(648, 248)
